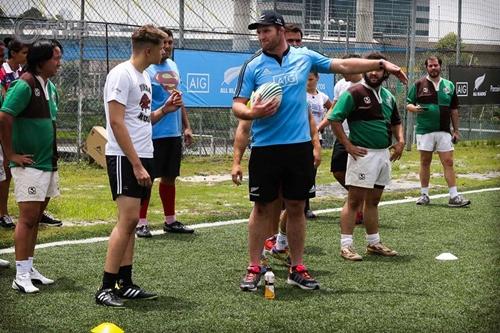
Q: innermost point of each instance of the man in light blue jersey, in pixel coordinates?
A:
(282, 153)
(167, 141)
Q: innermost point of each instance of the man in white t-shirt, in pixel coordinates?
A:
(129, 158)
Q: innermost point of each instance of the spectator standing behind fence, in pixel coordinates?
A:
(282, 153)
(31, 107)
(435, 102)
(167, 141)
(10, 71)
(373, 120)
(129, 158)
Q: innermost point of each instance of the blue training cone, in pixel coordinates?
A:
(107, 328)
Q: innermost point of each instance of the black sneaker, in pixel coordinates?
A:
(135, 292)
(299, 276)
(6, 222)
(107, 297)
(177, 227)
(251, 280)
(143, 231)
(50, 220)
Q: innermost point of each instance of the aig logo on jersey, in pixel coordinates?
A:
(289, 79)
(367, 100)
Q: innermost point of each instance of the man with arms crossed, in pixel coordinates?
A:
(129, 158)
(435, 102)
(282, 153)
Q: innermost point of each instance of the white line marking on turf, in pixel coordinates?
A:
(232, 222)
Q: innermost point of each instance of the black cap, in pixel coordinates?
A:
(268, 17)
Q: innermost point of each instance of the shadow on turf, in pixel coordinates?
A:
(163, 303)
(399, 259)
(61, 285)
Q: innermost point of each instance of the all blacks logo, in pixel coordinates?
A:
(367, 100)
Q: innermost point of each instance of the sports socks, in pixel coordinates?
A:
(373, 239)
(125, 275)
(23, 266)
(167, 196)
(143, 213)
(109, 280)
(424, 190)
(453, 191)
(281, 241)
(345, 240)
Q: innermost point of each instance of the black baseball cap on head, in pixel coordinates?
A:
(268, 17)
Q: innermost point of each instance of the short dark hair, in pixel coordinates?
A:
(147, 34)
(351, 55)
(39, 52)
(433, 57)
(292, 27)
(375, 56)
(14, 45)
(167, 31)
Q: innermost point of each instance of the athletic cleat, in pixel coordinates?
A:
(359, 218)
(23, 284)
(281, 255)
(299, 276)
(423, 200)
(310, 215)
(107, 297)
(143, 231)
(4, 263)
(177, 227)
(349, 253)
(380, 249)
(458, 201)
(251, 280)
(50, 220)
(37, 277)
(6, 222)
(134, 292)
(269, 243)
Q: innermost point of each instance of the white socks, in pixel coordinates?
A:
(424, 190)
(345, 240)
(453, 191)
(281, 241)
(23, 266)
(373, 239)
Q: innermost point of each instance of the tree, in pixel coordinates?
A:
(446, 48)
(32, 13)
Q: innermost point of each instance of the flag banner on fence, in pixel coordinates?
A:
(476, 84)
(209, 78)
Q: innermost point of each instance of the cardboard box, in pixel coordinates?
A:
(95, 145)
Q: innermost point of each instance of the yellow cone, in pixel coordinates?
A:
(107, 328)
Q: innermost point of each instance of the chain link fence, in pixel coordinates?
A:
(96, 37)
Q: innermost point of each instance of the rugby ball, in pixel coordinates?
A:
(268, 91)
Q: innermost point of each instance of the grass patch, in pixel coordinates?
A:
(197, 277)
(86, 196)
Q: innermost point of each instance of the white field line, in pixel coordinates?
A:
(232, 222)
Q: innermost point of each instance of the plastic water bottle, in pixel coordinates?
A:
(269, 284)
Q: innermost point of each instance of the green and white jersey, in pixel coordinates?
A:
(370, 115)
(33, 104)
(437, 101)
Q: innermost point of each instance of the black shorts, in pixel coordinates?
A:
(122, 179)
(289, 168)
(167, 157)
(339, 158)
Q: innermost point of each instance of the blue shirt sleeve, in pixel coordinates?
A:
(320, 62)
(246, 82)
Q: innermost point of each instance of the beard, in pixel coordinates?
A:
(434, 73)
(371, 83)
